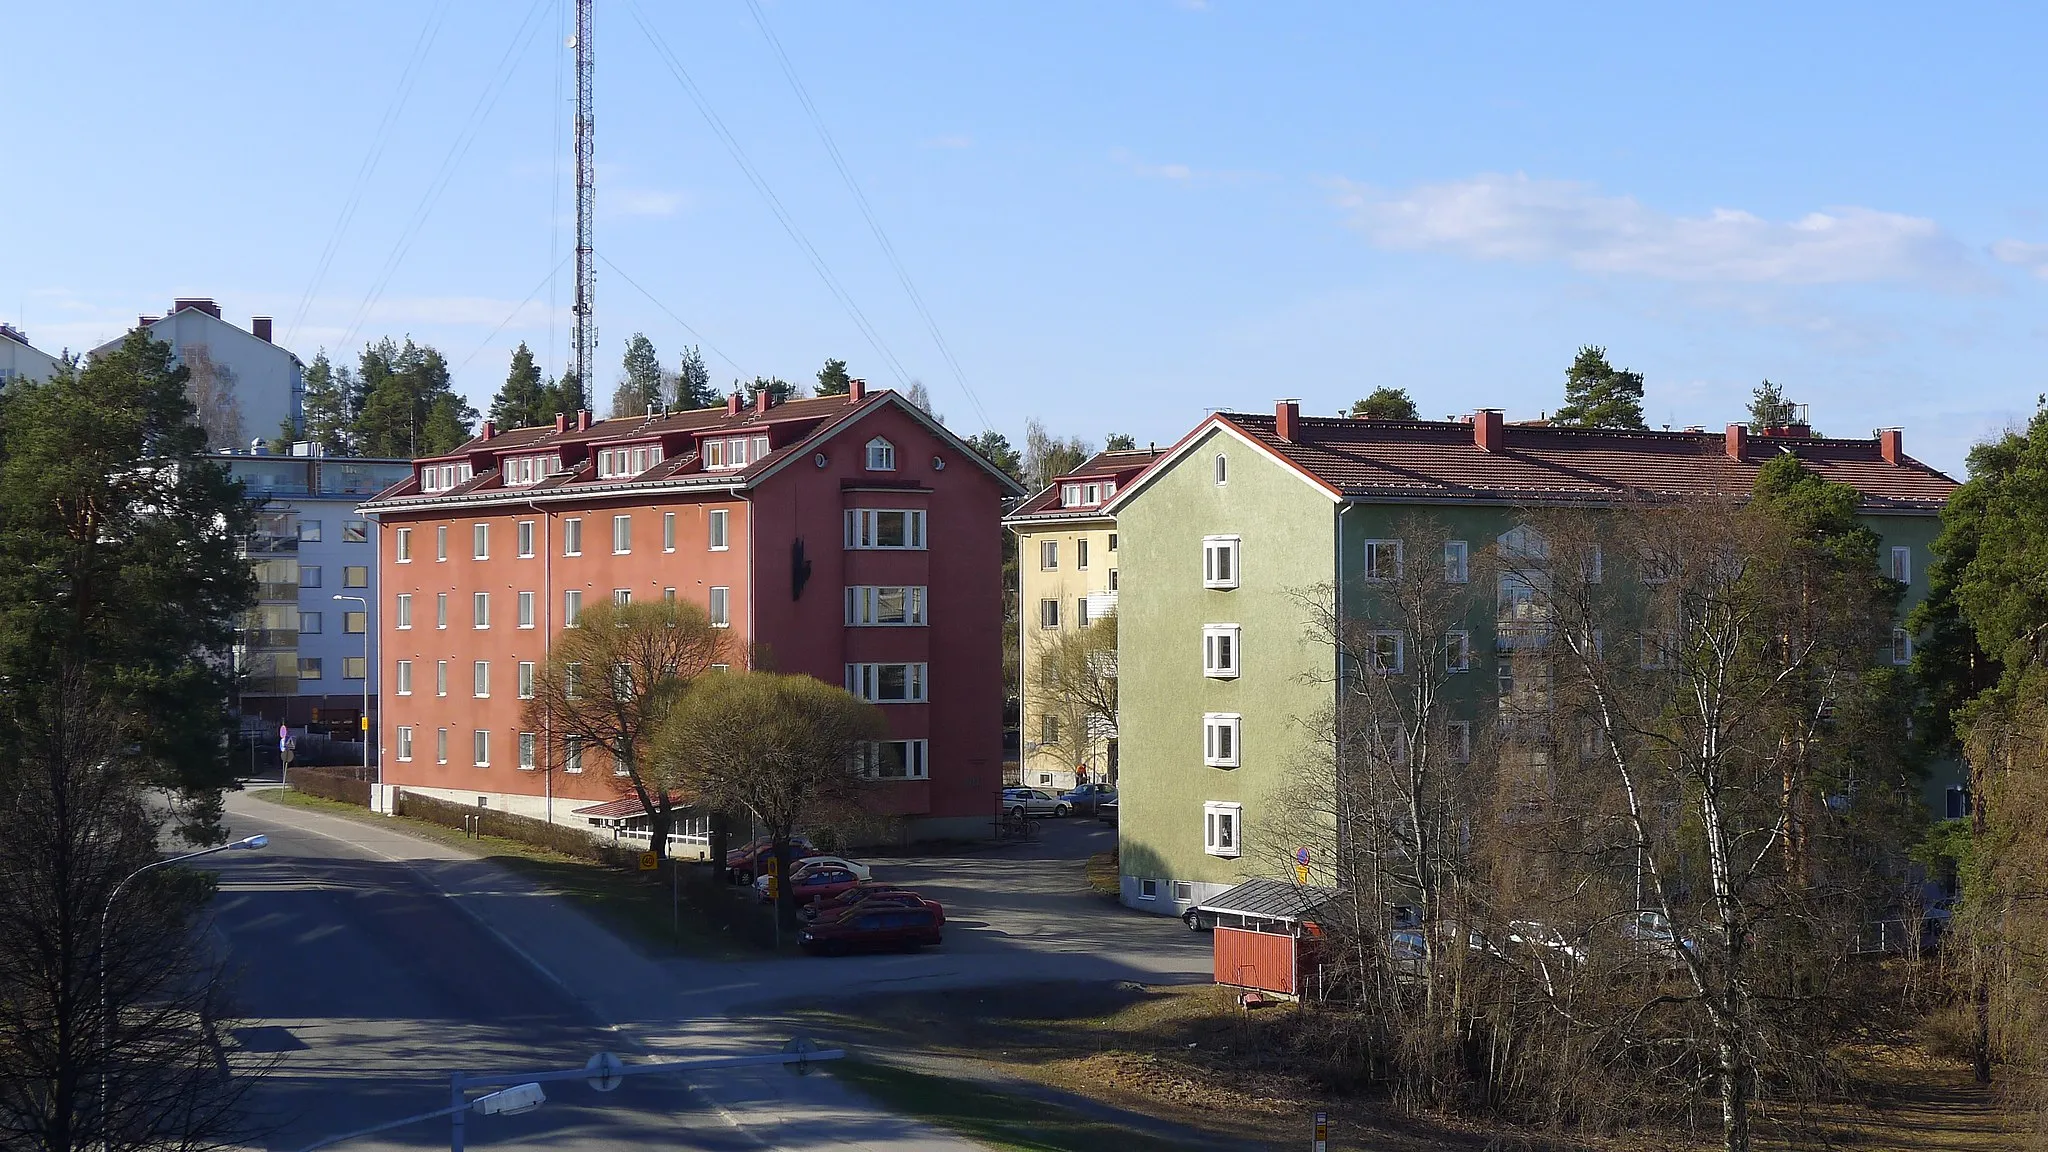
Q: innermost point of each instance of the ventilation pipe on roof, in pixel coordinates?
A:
(1738, 439)
(1488, 430)
(1891, 444)
(1287, 419)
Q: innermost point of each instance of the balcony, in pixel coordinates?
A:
(288, 593)
(285, 638)
(270, 685)
(266, 544)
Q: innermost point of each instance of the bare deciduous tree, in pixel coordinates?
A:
(609, 680)
(792, 750)
(211, 387)
(1075, 686)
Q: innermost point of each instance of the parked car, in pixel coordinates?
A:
(1088, 798)
(808, 886)
(822, 861)
(828, 906)
(1021, 802)
(742, 864)
(873, 930)
(900, 898)
(1106, 810)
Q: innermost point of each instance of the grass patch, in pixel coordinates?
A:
(988, 1115)
(636, 906)
(1102, 875)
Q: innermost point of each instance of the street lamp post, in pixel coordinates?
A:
(245, 844)
(366, 677)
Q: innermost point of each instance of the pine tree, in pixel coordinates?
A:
(781, 391)
(995, 448)
(332, 401)
(641, 387)
(523, 401)
(833, 380)
(406, 389)
(1768, 408)
(1599, 395)
(1120, 442)
(566, 395)
(693, 383)
(1385, 404)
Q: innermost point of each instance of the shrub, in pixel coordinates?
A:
(329, 785)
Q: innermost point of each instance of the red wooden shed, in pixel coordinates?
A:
(1266, 935)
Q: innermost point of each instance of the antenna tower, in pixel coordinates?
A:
(586, 195)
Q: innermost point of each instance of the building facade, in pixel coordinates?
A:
(848, 538)
(1225, 539)
(303, 654)
(1067, 580)
(19, 360)
(244, 386)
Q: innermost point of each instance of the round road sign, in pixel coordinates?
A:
(801, 1046)
(604, 1069)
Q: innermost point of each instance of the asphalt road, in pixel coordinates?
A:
(368, 988)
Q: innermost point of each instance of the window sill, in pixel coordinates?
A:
(1222, 764)
(1219, 675)
(1223, 854)
(526, 625)
(395, 627)
(404, 759)
(1216, 586)
(404, 560)
(719, 548)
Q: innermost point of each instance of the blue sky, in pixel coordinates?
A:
(1119, 215)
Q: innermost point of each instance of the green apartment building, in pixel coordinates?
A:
(1220, 668)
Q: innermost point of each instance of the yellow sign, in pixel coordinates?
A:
(649, 862)
(366, 723)
(772, 882)
(1301, 873)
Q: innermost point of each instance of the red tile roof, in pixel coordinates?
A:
(1396, 459)
(1124, 464)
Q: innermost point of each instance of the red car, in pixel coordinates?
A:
(873, 930)
(833, 905)
(858, 902)
(812, 885)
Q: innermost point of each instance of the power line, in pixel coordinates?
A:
(881, 236)
(782, 216)
(544, 282)
(694, 334)
(407, 76)
(494, 89)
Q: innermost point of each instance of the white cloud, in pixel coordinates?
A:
(2031, 256)
(1498, 217)
(640, 201)
(955, 140)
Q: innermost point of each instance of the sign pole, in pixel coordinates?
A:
(1322, 1132)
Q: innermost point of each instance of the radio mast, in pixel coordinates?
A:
(586, 195)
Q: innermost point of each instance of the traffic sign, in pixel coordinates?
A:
(1322, 1132)
(803, 1046)
(605, 1071)
(649, 862)
(1301, 873)
(1301, 856)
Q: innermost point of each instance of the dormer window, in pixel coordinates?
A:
(443, 477)
(881, 455)
(624, 463)
(1086, 494)
(525, 471)
(735, 451)
(1070, 495)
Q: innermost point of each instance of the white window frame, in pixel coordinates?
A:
(865, 681)
(1457, 562)
(1048, 555)
(1390, 741)
(526, 674)
(480, 541)
(622, 534)
(572, 536)
(572, 606)
(401, 612)
(720, 607)
(621, 597)
(404, 742)
(1220, 469)
(1148, 889)
(1902, 564)
(1049, 613)
(716, 530)
(480, 679)
(572, 754)
(401, 678)
(1458, 650)
(1081, 554)
(1400, 662)
(480, 747)
(881, 455)
(1223, 828)
(1218, 553)
(528, 746)
(916, 760)
(1902, 647)
(401, 547)
(1216, 669)
(480, 610)
(1374, 561)
(525, 539)
(440, 745)
(863, 604)
(440, 677)
(526, 613)
(668, 531)
(440, 543)
(440, 610)
(1458, 734)
(1222, 739)
(864, 529)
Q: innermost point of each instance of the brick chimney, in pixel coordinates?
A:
(763, 400)
(732, 404)
(1738, 439)
(1891, 444)
(259, 326)
(856, 391)
(490, 429)
(1287, 419)
(145, 320)
(561, 421)
(583, 419)
(1489, 430)
(197, 304)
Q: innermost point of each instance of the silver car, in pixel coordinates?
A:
(1020, 802)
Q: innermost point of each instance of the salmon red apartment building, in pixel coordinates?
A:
(851, 538)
